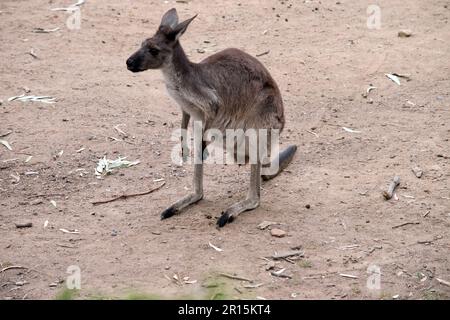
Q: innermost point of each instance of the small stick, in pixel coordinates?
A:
(390, 193)
(5, 134)
(31, 53)
(120, 131)
(239, 291)
(46, 195)
(348, 276)
(226, 275)
(313, 133)
(253, 286)
(24, 225)
(65, 246)
(12, 267)
(426, 213)
(262, 54)
(289, 260)
(443, 282)
(425, 242)
(280, 275)
(287, 254)
(404, 224)
(125, 196)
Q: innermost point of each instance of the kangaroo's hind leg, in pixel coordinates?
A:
(189, 199)
(198, 188)
(251, 202)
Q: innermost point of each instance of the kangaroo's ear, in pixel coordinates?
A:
(170, 19)
(180, 28)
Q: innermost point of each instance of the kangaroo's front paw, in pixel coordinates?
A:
(168, 213)
(224, 219)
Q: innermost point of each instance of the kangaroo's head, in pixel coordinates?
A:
(157, 50)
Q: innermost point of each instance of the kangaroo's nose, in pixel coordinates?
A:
(130, 62)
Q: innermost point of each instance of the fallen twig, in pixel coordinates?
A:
(348, 276)
(289, 260)
(280, 274)
(120, 131)
(214, 247)
(404, 224)
(10, 160)
(66, 246)
(263, 53)
(349, 247)
(42, 30)
(370, 88)
(75, 231)
(226, 275)
(446, 283)
(287, 254)
(313, 133)
(12, 267)
(31, 53)
(425, 241)
(373, 249)
(7, 133)
(253, 286)
(390, 193)
(125, 196)
(46, 195)
(24, 225)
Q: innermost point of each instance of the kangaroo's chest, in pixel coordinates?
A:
(185, 100)
(196, 98)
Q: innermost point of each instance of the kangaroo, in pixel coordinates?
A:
(227, 90)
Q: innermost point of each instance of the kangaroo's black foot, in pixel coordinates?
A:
(171, 211)
(224, 219)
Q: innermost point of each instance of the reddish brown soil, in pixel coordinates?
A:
(323, 57)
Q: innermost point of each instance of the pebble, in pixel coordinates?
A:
(36, 202)
(418, 172)
(405, 33)
(277, 233)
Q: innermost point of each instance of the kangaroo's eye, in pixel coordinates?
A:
(153, 51)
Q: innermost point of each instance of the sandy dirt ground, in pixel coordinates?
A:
(329, 201)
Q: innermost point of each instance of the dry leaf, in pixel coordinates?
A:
(75, 231)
